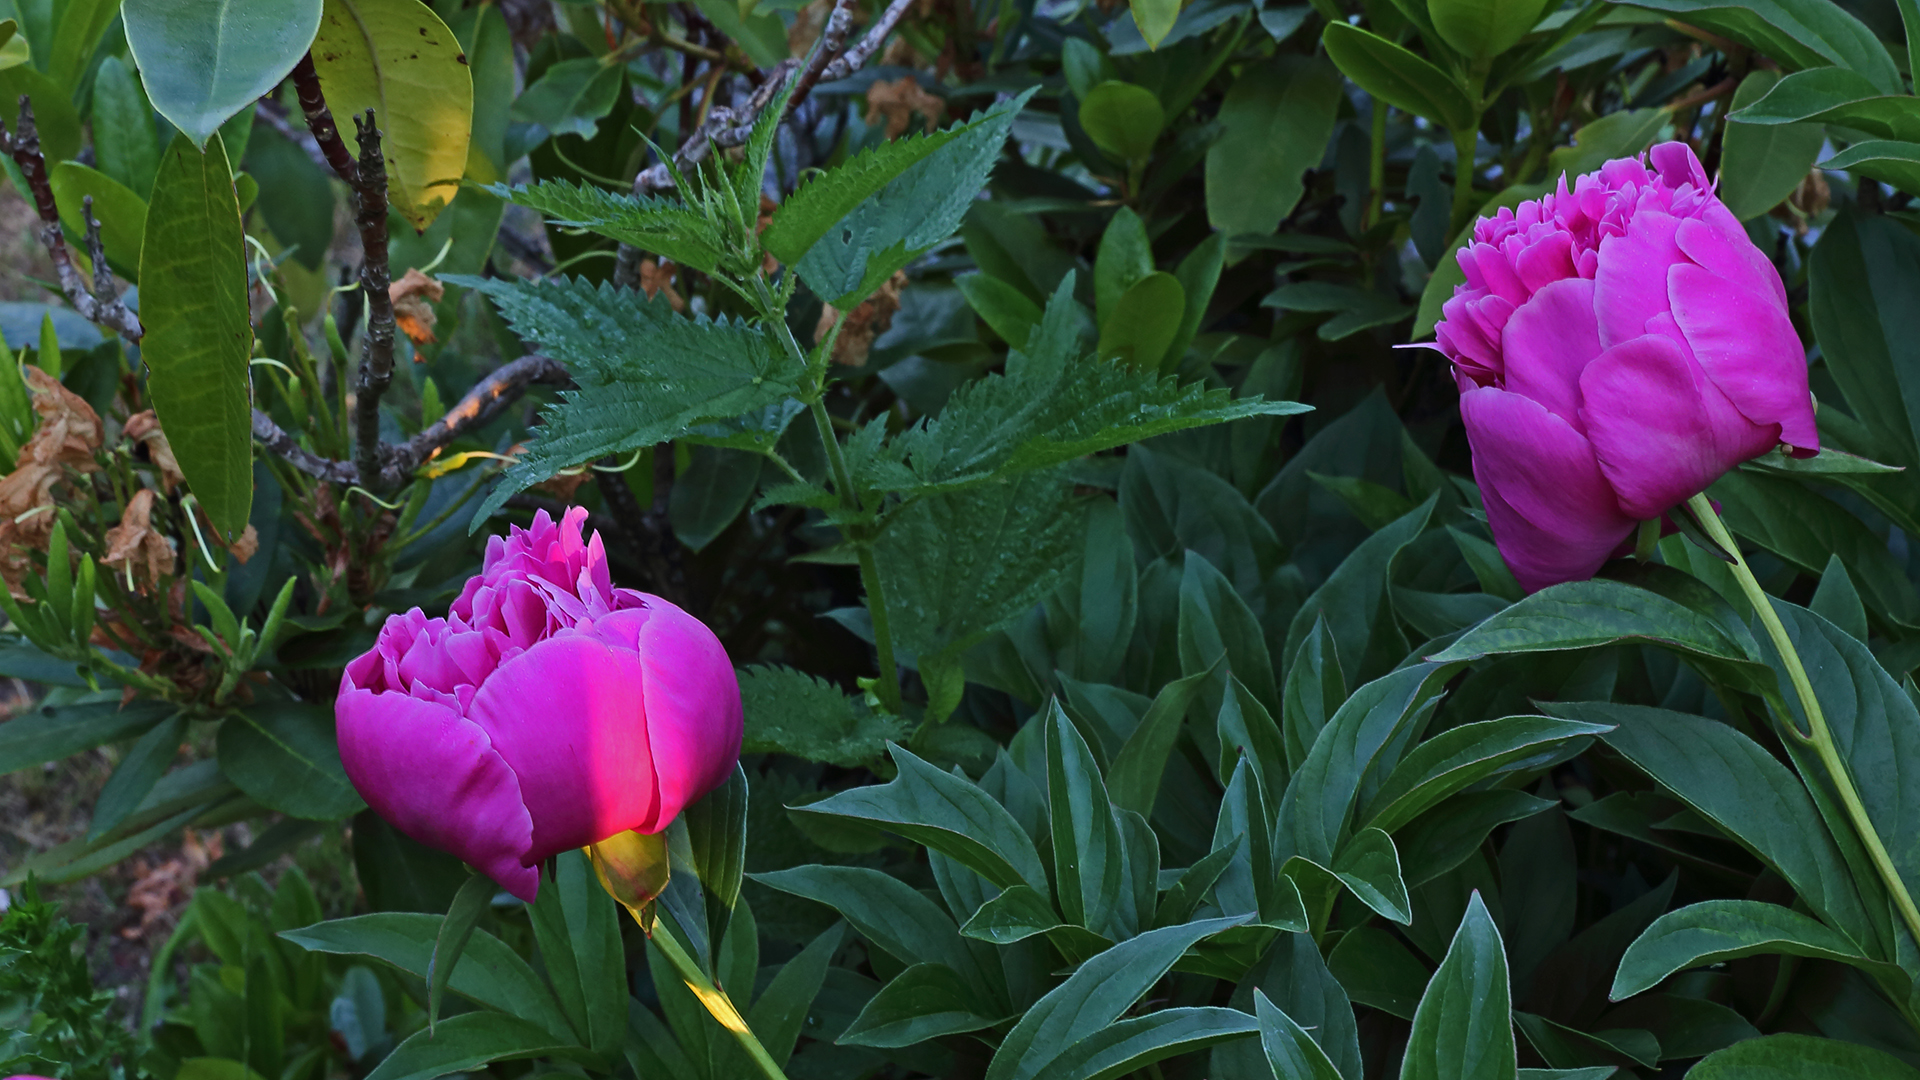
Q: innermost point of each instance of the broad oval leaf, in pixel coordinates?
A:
(1885, 160)
(1398, 77)
(397, 58)
(1834, 95)
(193, 300)
(1716, 930)
(1761, 165)
(1797, 33)
(1123, 119)
(1155, 19)
(121, 213)
(1278, 117)
(1800, 1057)
(1483, 29)
(201, 64)
(1144, 322)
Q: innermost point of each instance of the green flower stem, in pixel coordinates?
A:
(716, 1001)
(1464, 143)
(1648, 539)
(1819, 736)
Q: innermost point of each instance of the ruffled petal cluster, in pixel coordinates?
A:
(549, 710)
(1618, 346)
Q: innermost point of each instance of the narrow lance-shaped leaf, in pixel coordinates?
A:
(199, 336)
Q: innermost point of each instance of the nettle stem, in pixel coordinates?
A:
(1819, 736)
(888, 686)
(716, 1001)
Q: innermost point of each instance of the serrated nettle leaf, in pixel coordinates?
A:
(946, 813)
(959, 565)
(791, 712)
(1052, 406)
(668, 228)
(1463, 1028)
(848, 231)
(644, 374)
(1716, 930)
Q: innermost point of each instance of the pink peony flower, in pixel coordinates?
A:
(1618, 347)
(548, 710)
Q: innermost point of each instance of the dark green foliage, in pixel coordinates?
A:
(57, 1024)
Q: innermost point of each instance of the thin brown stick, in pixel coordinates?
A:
(376, 342)
(270, 435)
(870, 42)
(100, 306)
(489, 398)
(833, 39)
(313, 103)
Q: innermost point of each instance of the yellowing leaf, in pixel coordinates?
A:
(398, 59)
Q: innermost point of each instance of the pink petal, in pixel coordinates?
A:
(569, 717)
(1660, 428)
(1548, 341)
(1747, 346)
(693, 707)
(437, 778)
(1553, 516)
(1630, 286)
(1717, 241)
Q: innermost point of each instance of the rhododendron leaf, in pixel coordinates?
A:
(577, 926)
(666, 227)
(947, 813)
(644, 374)
(1762, 165)
(202, 65)
(1278, 117)
(1834, 95)
(791, 712)
(1719, 930)
(468, 1041)
(1885, 160)
(1398, 77)
(284, 756)
(1465, 755)
(923, 1002)
(1798, 35)
(455, 931)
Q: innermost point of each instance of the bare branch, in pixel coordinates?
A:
(489, 398)
(101, 306)
(870, 43)
(376, 342)
(326, 134)
(277, 441)
(833, 38)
